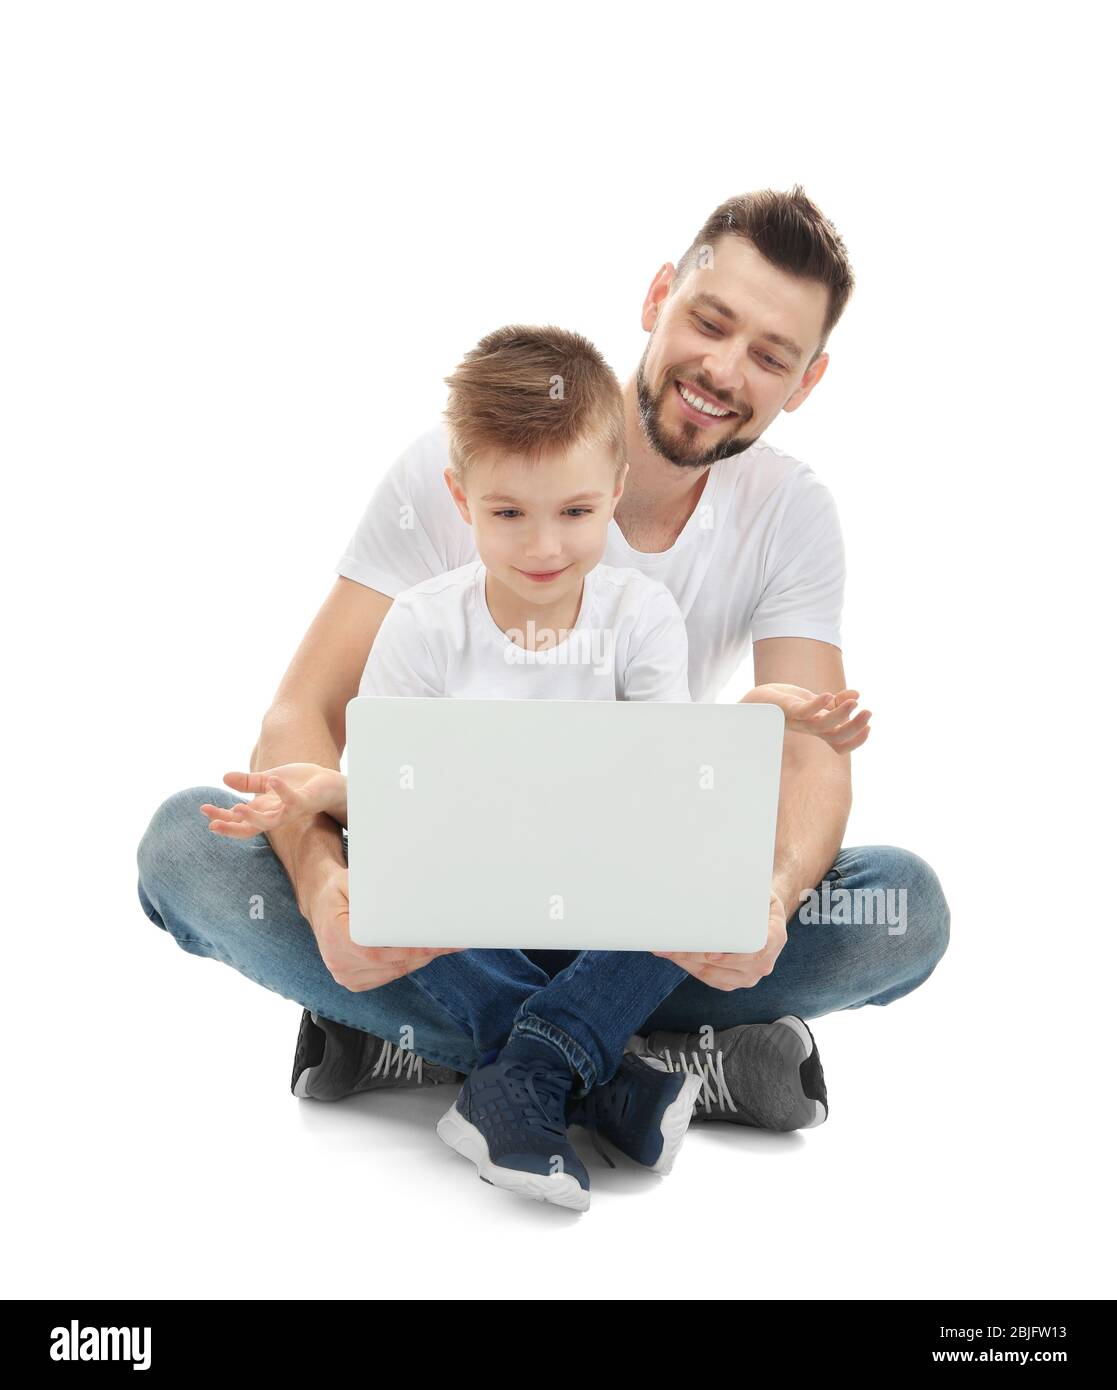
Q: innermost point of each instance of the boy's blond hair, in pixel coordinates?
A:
(533, 393)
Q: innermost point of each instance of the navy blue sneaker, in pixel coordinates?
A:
(510, 1121)
(644, 1111)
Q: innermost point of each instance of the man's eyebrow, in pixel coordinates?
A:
(580, 497)
(711, 301)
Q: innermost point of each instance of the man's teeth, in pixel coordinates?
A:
(699, 404)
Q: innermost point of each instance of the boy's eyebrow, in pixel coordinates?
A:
(719, 307)
(580, 497)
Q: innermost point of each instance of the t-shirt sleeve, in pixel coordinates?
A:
(804, 583)
(401, 662)
(658, 653)
(411, 529)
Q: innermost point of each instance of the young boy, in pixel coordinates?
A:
(536, 431)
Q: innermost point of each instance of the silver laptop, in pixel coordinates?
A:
(566, 824)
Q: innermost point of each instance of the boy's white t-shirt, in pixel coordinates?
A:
(760, 556)
(439, 638)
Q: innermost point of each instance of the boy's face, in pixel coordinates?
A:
(540, 527)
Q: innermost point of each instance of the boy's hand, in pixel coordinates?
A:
(283, 795)
(825, 716)
(737, 969)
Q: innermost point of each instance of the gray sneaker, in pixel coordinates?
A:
(767, 1075)
(333, 1061)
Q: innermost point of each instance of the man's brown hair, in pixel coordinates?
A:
(533, 392)
(789, 231)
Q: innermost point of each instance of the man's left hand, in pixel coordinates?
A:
(737, 969)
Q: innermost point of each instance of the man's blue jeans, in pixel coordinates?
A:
(232, 901)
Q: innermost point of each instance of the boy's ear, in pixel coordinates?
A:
(458, 494)
(620, 485)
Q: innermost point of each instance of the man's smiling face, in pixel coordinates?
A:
(729, 349)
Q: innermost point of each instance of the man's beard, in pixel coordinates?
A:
(673, 451)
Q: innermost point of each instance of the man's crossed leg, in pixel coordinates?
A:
(232, 901)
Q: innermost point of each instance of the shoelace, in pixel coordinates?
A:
(712, 1074)
(547, 1089)
(601, 1100)
(406, 1062)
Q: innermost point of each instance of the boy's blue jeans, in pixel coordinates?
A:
(232, 901)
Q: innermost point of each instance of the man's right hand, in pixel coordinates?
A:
(354, 967)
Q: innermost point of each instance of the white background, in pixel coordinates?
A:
(242, 246)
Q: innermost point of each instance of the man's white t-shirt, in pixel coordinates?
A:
(760, 556)
(439, 638)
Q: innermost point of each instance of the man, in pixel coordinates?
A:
(748, 541)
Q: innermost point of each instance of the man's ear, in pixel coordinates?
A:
(658, 291)
(619, 488)
(457, 493)
(811, 377)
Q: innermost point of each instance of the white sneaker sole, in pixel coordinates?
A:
(561, 1189)
(676, 1122)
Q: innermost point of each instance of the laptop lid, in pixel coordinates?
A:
(561, 824)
